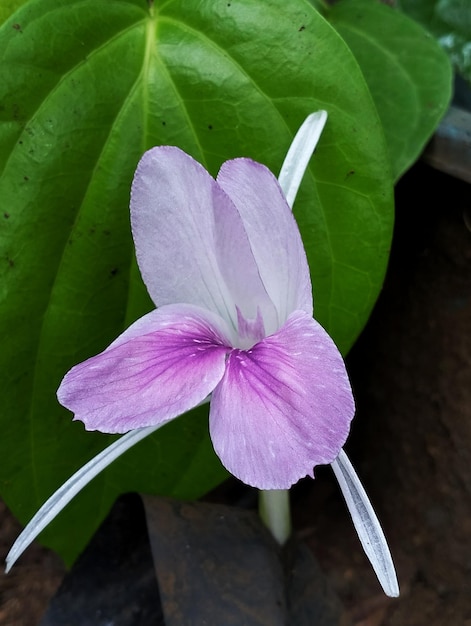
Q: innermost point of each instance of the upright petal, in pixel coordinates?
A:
(165, 364)
(273, 233)
(282, 407)
(191, 243)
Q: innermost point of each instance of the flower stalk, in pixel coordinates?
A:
(274, 510)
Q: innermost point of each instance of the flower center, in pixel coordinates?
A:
(249, 331)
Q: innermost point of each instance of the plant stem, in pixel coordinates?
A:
(274, 509)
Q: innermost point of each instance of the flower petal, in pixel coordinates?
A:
(282, 407)
(299, 154)
(367, 525)
(191, 243)
(163, 365)
(273, 233)
(66, 492)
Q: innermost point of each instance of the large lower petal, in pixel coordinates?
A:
(191, 243)
(273, 234)
(163, 365)
(282, 407)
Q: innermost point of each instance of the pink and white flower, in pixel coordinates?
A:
(225, 265)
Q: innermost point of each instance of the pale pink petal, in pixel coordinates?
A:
(282, 407)
(191, 244)
(165, 364)
(273, 233)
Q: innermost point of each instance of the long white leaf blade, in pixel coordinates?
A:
(367, 524)
(299, 153)
(54, 505)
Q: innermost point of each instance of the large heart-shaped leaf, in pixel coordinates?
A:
(86, 86)
(407, 72)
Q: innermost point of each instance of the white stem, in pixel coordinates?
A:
(54, 505)
(299, 153)
(367, 524)
(274, 509)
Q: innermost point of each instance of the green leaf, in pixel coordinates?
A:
(85, 88)
(7, 7)
(407, 73)
(450, 22)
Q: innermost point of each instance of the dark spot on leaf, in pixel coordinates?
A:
(228, 4)
(210, 127)
(25, 177)
(107, 232)
(6, 215)
(350, 173)
(11, 262)
(20, 142)
(164, 123)
(301, 29)
(114, 271)
(17, 27)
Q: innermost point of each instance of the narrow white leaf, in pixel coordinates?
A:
(299, 153)
(367, 524)
(54, 505)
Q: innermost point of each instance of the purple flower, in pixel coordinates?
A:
(224, 262)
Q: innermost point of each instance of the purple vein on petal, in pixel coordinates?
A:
(162, 366)
(282, 407)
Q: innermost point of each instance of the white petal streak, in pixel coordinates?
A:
(367, 524)
(58, 501)
(299, 153)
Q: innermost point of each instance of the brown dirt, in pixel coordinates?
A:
(26, 590)
(410, 442)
